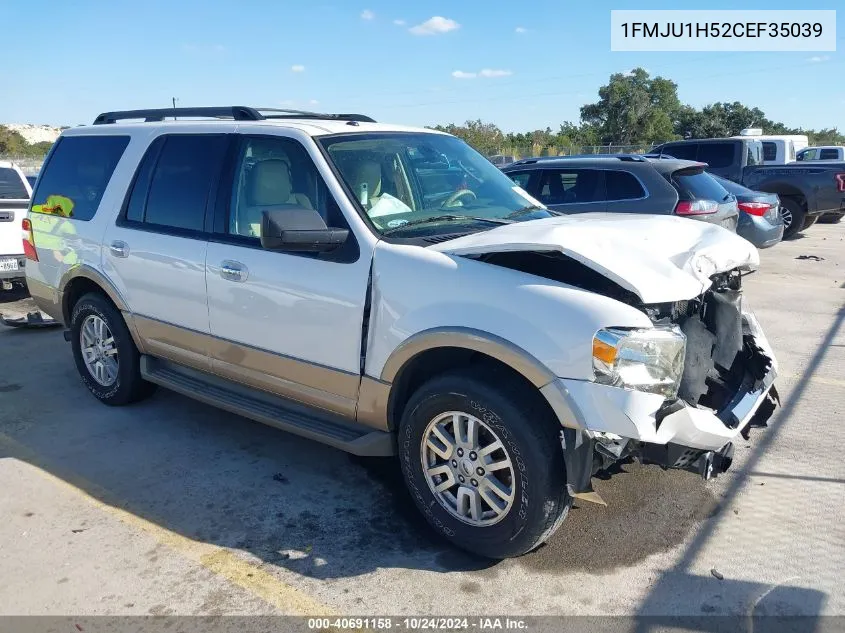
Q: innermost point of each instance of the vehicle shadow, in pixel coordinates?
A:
(289, 502)
(680, 591)
(16, 294)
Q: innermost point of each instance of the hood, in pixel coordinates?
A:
(659, 258)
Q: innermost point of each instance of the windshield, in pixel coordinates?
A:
(420, 184)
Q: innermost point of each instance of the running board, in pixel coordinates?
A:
(268, 409)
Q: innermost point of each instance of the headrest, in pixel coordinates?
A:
(270, 183)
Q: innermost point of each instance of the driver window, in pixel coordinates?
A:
(275, 173)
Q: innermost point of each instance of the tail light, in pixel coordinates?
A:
(754, 208)
(696, 207)
(840, 182)
(28, 240)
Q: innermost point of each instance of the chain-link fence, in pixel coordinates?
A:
(538, 150)
(29, 165)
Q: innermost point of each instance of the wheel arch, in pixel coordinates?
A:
(83, 279)
(433, 352)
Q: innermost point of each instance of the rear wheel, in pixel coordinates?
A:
(793, 214)
(474, 449)
(104, 352)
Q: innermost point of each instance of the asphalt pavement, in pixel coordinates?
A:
(172, 507)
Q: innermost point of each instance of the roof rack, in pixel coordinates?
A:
(238, 113)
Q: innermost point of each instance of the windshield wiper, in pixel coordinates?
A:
(526, 211)
(451, 217)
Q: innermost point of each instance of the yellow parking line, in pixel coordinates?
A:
(218, 560)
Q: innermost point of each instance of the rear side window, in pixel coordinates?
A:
(716, 154)
(571, 186)
(695, 184)
(174, 181)
(76, 175)
(621, 185)
(684, 151)
(11, 185)
(828, 154)
(770, 150)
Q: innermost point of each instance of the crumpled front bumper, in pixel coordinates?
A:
(647, 418)
(606, 418)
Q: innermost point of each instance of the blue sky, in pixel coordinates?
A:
(522, 65)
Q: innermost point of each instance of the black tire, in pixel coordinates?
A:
(129, 386)
(795, 218)
(532, 437)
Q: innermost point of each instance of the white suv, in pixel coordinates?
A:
(388, 291)
(14, 201)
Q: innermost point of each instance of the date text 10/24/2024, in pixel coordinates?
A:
(419, 624)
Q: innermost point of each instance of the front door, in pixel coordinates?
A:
(287, 323)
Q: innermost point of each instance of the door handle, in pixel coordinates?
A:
(119, 249)
(233, 271)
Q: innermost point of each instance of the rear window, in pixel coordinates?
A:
(621, 185)
(174, 181)
(770, 150)
(76, 175)
(11, 185)
(828, 154)
(685, 151)
(716, 155)
(695, 184)
(570, 186)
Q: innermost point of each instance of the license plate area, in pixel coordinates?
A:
(8, 264)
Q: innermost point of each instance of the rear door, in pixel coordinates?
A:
(14, 201)
(572, 190)
(155, 253)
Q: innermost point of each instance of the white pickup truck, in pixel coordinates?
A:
(826, 152)
(15, 193)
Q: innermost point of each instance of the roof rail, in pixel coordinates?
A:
(238, 113)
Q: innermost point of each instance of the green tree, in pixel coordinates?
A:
(634, 108)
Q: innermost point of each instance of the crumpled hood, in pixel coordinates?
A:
(659, 258)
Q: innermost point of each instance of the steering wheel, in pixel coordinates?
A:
(460, 193)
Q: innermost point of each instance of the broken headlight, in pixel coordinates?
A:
(650, 360)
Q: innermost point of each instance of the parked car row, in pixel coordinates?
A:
(649, 184)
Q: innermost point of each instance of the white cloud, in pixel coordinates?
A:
(399, 22)
(494, 72)
(434, 26)
(520, 30)
(486, 73)
(313, 102)
(297, 68)
(819, 58)
(366, 14)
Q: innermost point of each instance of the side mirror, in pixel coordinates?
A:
(298, 229)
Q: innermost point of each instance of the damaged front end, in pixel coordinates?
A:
(726, 389)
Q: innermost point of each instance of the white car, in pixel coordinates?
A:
(387, 291)
(15, 193)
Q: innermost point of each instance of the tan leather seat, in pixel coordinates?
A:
(367, 172)
(268, 185)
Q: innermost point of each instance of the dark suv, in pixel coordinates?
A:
(623, 183)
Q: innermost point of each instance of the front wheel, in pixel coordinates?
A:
(483, 462)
